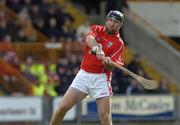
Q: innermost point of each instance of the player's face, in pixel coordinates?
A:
(112, 25)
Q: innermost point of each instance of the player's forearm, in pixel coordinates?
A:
(90, 41)
(96, 48)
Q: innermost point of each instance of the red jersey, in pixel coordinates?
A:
(112, 46)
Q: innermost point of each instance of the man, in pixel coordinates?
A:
(103, 44)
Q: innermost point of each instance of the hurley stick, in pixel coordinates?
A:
(146, 83)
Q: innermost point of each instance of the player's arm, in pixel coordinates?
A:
(90, 41)
(90, 38)
(96, 48)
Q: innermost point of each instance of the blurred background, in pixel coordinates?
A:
(41, 51)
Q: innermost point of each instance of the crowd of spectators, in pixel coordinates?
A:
(52, 79)
(49, 78)
(51, 19)
(11, 82)
(128, 85)
(10, 30)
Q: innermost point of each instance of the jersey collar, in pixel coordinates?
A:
(115, 34)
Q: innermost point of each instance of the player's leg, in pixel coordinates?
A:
(100, 89)
(71, 97)
(104, 109)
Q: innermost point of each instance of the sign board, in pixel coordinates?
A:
(133, 108)
(20, 109)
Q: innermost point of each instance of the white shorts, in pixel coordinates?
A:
(95, 85)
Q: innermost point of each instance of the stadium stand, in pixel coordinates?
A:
(25, 24)
(39, 50)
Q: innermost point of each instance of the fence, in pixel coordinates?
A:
(38, 110)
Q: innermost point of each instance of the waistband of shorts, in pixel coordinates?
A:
(82, 71)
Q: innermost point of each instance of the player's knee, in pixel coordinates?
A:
(105, 116)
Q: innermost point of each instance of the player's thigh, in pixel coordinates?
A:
(104, 105)
(72, 96)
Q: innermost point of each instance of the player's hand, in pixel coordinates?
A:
(96, 49)
(100, 55)
(106, 60)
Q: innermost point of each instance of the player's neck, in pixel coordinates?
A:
(111, 33)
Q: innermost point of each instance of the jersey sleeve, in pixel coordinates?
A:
(118, 55)
(94, 30)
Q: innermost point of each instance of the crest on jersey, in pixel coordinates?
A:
(109, 44)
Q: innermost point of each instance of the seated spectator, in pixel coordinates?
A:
(3, 27)
(15, 5)
(52, 82)
(12, 59)
(135, 64)
(68, 32)
(163, 86)
(28, 33)
(134, 88)
(63, 14)
(35, 14)
(62, 73)
(40, 25)
(53, 29)
(25, 68)
(66, 70)
(120, 81)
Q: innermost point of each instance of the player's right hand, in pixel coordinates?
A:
(100, 55)
(96, 49)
